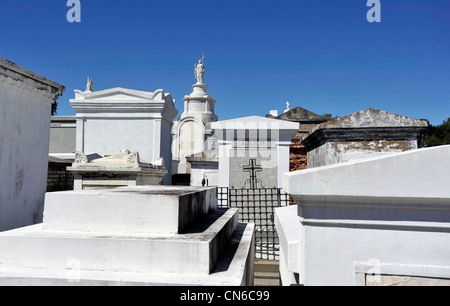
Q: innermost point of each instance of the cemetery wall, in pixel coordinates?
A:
(299, 154)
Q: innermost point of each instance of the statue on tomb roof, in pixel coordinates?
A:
(200, 71)
(90, 85)
(288, 107)
(80, 158)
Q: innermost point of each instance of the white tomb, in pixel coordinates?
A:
(113, 119)
(26, 100)
(266, 141)
(148, 235)
(379, 221)
(192, 134)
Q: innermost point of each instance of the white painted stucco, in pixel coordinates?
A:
(234, 130)
(115, 119)
(383, 216)
(25, 111)
(150, 235)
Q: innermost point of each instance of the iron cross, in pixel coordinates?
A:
(253, 168)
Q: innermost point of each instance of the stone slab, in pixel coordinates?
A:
(141, 209)
(412, 174)
(404, 281)
(288, 227)
(383, 216)
(234, 268)
(194, 252)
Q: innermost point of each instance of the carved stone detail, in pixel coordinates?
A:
(80, 158)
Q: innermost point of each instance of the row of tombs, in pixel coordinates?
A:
(371, 208)
(121, 137)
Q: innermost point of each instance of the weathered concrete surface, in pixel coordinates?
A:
(301, 115)
(123, 169)
(406, 281)
(362, 135)
(372, 118)
(343, 151)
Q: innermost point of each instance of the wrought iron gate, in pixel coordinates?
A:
(257, 206)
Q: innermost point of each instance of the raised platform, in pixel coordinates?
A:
(142, 209)
(142, 235)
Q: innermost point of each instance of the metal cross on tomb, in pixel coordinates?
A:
(253, 168)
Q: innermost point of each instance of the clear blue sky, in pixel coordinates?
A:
(321, 55)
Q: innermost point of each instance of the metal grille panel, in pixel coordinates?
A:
(257, 206)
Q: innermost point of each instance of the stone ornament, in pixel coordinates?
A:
(133, 158)
(80, 158)
(160, 162)
(288, 107)
(89, 85)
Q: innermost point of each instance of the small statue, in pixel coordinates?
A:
(80, 158)
(288, 107)
(205, 181)
(90, 85)
(200, 71)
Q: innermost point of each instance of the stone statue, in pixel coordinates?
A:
(288, 107)
(200, 71)
(80, 158)
(90, 85)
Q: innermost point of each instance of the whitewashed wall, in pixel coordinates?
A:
(25, 111)
(388, 217)
(276, 133)
(198, 173)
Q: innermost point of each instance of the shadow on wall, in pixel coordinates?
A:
(58, 178)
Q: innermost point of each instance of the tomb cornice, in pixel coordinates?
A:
(322, 136)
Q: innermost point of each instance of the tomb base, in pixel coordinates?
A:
(199, 244)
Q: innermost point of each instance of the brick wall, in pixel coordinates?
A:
(59, 179)
(299, 155)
